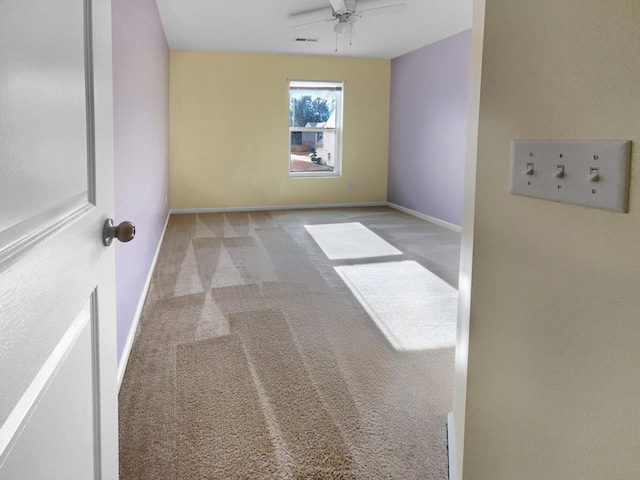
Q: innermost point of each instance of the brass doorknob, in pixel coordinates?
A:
(123, 232)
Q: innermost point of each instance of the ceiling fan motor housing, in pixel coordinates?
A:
(350, 9)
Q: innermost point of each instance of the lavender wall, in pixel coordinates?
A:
(141, 141)
(428, 128)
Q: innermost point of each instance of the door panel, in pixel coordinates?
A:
(58, 395)
(43, 118)
(51, 409)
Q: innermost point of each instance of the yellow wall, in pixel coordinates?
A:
(229, 116)
(554, 356)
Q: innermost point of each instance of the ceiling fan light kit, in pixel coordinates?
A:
(346, 13)
(341, 27)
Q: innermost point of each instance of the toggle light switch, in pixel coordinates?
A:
(560, 171)
(594, 174)
(529, 168)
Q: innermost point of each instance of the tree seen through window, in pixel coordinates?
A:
(314, 117)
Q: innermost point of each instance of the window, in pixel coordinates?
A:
(315, 117)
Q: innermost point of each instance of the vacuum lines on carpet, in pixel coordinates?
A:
(254, 360)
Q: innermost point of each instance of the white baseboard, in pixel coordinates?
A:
(277, 207)
(437, 221)
(124, 360)
(452, 447)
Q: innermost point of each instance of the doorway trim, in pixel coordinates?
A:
(456, 445)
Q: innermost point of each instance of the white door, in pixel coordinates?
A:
(58, 392)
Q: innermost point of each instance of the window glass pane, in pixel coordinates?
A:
(313, 151)
(315, 116)
(312, 108)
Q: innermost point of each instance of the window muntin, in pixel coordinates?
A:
(315, 116)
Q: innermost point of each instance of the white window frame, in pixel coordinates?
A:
(338, 86)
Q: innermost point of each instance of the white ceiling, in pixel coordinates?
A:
(264, 26)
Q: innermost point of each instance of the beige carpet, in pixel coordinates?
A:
(254, 360)
(344, 241)
(413, 308)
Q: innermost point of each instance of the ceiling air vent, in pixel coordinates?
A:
(301, 39)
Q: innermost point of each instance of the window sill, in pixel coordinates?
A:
(312, 174)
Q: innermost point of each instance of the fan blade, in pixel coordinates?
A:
(338, 5)
(314, 22)
(388, 10)
(314, 12)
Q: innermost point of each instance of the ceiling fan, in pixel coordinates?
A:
(345, 13)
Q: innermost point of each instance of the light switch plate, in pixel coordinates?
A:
(582, 172)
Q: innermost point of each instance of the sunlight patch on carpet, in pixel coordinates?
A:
(412, 307)
(340, 241)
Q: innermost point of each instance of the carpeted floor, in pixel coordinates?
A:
(254, 360)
